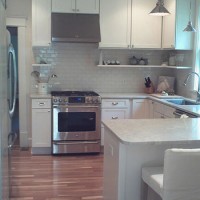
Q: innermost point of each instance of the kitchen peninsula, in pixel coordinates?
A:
(131, 144)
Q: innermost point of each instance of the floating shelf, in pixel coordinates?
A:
(143, 66)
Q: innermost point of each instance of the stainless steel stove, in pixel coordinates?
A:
(76, 122)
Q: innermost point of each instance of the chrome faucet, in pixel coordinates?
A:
(186, 80)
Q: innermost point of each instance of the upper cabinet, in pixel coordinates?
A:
(175, 23)
(169, 23)
(41, 22)
(127, 24)
(115, 20)
(76, 6)
(146, 30)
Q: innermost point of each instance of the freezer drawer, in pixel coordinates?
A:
(76, 147)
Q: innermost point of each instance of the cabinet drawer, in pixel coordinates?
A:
(108, 114)
(41, 103)
(115, 103)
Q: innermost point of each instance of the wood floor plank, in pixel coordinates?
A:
(56, 177)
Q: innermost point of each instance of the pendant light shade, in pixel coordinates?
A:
(189, 27)
(159, 10)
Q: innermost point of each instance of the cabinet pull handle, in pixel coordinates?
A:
(114, 117)
(114, 103)
(41, 104)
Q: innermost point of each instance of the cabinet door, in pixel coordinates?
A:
(115, 16)
(63, 6)
(168, 111)
(139, 109)
(41, 128)
(41, 22)
(168, 39)
(184, 40)
(87, 6)
(146, 29)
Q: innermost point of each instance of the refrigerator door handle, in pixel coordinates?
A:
(11, 139)
(12, 96)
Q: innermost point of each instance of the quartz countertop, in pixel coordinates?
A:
(132, 131)
(40, 96)
(123, 95)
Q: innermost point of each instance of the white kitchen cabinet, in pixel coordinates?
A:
(162, 111)
(115, 21)
(173, 25)
(130, 20)
(139, 109)
(41, 22)
(41, 126)
(146, 30)
(113, 109)
(76, 6)
(168, 40)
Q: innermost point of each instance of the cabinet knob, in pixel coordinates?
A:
(132, 46)
(114, 117)
(114, 103)
(74, 10)
(77, 10)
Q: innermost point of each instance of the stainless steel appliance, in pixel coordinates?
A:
(7, 94)
(76, 123)
(179, 113)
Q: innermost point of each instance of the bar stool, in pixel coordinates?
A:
(179, 179)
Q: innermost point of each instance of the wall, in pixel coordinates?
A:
(76, 68)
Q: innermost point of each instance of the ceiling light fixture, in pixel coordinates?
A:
(159, 10)
(189, 27)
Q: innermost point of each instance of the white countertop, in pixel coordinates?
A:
(130, 131)
(40, 96)
(123, 95)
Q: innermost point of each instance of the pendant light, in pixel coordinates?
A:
(159, 10)
(189, 27)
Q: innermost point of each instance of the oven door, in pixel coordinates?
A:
(76, 122)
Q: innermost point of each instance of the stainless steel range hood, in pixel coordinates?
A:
(67, 27)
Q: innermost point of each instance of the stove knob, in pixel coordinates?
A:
(65, 100)
(60, 100)
(55, 100)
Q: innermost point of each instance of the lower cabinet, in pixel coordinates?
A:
(162, 111)
(140, 109)
(41, 126)
(113, 109)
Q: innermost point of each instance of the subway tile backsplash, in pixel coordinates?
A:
(76, 68)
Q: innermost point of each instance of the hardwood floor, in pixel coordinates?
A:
(56, 177)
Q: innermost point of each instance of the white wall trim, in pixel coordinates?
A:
(16, 22)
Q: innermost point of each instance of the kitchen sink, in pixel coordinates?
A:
(182, 102)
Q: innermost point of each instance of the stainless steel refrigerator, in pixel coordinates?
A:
(7, 103)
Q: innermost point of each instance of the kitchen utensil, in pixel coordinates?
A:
(36, 75)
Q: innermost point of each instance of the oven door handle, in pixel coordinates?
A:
(73, 143)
